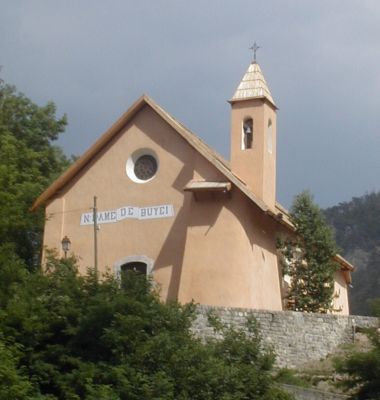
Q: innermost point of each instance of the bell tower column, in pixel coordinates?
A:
(253, 135)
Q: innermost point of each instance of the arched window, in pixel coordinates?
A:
(138, 263)
(136, 266)
(247, 134)
(270, 136)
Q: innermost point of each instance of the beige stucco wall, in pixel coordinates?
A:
(230, 256)
(218, 250)
(255, 166)
(341, 305)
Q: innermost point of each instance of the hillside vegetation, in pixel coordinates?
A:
(357, 229)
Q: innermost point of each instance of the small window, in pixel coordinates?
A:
(142, 166)
(136, 266)
(270, 136)
(145, 167)
(247, 134)
(133, 273)
(138, 263)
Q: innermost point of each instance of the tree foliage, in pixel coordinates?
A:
(66, 336)
(362, 369)
(77, 338)
(308, 258)
(28, 164)
(357, 229)
(356, 222)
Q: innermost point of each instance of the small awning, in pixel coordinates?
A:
(206, 186)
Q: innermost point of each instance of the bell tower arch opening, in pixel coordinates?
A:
(247, 134)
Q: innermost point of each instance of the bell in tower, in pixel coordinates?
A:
(247, 133)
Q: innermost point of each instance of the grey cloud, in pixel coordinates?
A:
(320, 59)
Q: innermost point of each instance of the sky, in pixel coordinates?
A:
(321, 60)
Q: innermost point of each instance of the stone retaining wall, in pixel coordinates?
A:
(300, 393)
(297, 338)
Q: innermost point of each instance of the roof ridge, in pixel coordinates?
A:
(203, 148)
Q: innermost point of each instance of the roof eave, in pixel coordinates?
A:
(190, 137)
(344, 263)
(61, 181)
(264, 98)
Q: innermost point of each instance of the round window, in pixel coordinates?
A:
(142, 165)
(145, 167)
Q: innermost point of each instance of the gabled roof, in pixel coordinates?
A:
(253, 86)
(212, 156)
(280, 214)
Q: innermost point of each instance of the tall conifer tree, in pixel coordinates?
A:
(308, 258)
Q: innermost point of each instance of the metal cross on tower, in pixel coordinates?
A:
(254, 48)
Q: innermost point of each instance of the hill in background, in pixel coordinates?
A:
(357, 229)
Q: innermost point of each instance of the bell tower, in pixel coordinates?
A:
(253, 135)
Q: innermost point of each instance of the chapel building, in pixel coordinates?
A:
(170, 206)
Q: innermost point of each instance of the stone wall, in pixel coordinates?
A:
(297, 338)
(300, 393)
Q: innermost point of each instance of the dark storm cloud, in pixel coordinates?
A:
(321, 61)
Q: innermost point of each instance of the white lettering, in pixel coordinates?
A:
(121, 213)
(111, 216)
(86, 219)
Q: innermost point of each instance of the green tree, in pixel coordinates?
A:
(83, 339)
(362, 369)
(28, 164)
(14, 382)
(308, 258)
(67, 336)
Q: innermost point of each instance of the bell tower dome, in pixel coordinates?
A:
(253, 135)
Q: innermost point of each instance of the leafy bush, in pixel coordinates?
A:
(77, 338)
